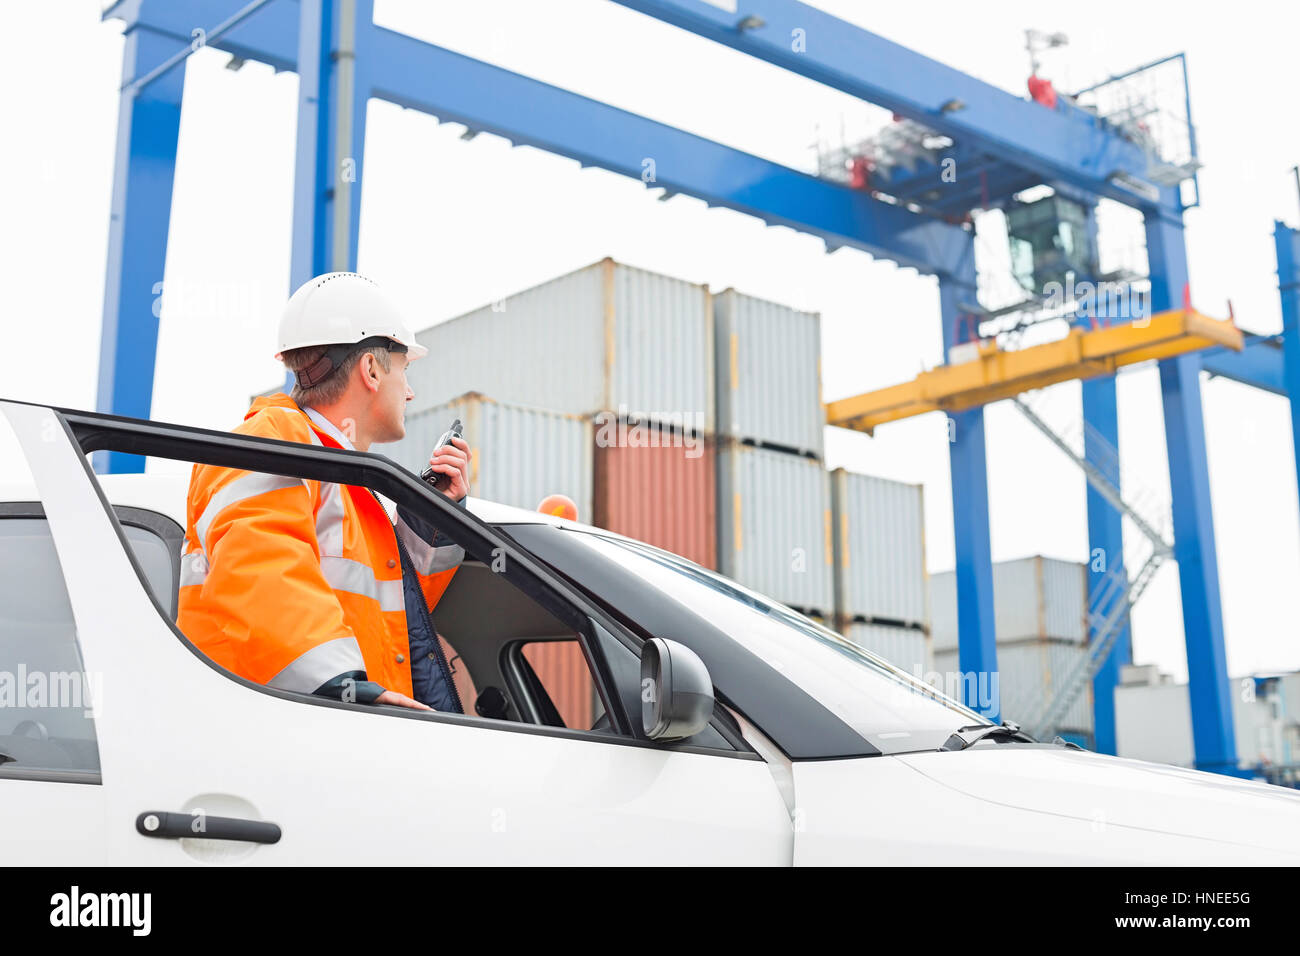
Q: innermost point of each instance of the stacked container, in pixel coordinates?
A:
(605, 338)
(1040, 608)
(773, 496)
(521, 454)
(1034, 598)
(662, 495)
(768, 371)
(878, 532)
(774, 525)
(689, 421)
(1029, 675)
(907, 648)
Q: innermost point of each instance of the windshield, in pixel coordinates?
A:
(893, 710)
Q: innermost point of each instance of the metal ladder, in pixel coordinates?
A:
(1114, 597)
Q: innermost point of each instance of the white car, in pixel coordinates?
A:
(724, 728)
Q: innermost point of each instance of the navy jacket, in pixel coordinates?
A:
(431, 681)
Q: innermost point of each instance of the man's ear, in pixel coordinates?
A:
(369, 375)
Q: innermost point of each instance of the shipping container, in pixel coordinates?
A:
(768, 373)
(563, 671)
(817, 618)
(1029, 673)
(521, 454)
(774, 525)
(907, 648)
(605, 338)
(1034, 597)
(664, 496)
(1153, 721)
(878, 528)
(559, 665)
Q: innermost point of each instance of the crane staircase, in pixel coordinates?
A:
(1111, 601)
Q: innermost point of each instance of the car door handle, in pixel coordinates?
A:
(199, 826)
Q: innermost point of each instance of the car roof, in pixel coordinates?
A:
(166, 494)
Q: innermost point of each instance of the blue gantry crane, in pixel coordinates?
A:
(972, 146)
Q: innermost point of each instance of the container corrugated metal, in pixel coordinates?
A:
(1041, 597)
(1028, 674)
(1034, 597)
(664, 496)
(907, 648)
(818, 618)
(521, 454)
(879, 541)
(607, 337)
(943, 611)
(563, 671)
(1154, 722)
(759, 343)
(774, 517)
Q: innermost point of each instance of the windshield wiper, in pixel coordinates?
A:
(963, 737)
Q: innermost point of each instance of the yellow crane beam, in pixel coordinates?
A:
(996, 374)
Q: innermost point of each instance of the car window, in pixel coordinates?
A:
(270, 562)
(564, 676)
(46, 697)
(156, 541)
(894, 711)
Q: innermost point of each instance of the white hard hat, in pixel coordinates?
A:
(342, 308)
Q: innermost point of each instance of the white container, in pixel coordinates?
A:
(1154, 722)
(1029, 673)
(769, 373)
(1033, 598)
(774, 525)
(879, 542)
(521, 454)
(907, 648)
(605, 338)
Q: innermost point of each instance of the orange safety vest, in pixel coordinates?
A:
(291, 582)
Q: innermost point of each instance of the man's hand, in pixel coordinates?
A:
(400, 700)
(453, 460)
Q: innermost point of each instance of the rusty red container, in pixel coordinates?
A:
(664, 495)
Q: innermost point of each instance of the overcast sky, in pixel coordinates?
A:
(448, 225)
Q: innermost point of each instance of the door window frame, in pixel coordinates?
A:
(91, 432)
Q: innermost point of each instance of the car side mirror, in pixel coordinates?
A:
(676, 691)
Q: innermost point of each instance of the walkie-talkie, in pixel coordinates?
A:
(437, 478)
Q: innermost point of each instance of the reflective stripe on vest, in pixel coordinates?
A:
(247, 486)
(194, 569)
(320, 664)
(329, 520)
(344, 574)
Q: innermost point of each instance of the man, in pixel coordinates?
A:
(306, 585)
